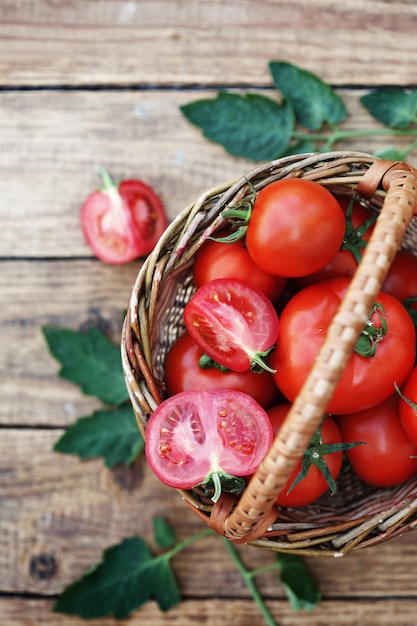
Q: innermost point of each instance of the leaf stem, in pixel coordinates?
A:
(340, 135)
(248, 579)
(184, 543)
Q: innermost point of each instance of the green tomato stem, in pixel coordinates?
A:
(108, 182)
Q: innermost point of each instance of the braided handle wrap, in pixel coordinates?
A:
(254, 511)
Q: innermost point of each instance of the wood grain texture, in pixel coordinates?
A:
(100, 82)
(66, 512)
(169, 43)
(217, 612)
(52, 142)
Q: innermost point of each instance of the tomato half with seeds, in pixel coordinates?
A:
(233, 322)
(186, 369)
(122, 221)
(203, 437)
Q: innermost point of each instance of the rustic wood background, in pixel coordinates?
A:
(88, 82)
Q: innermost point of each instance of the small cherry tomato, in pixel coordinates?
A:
(233, 322)
(197, 437)
(122, 221)
(186, 369)
(295, 228)
(387, 456)
(216, 259)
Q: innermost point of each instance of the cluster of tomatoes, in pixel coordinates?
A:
(258, 318)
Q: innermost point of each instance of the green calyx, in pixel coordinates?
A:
(314, 455)
(373, 333)
(238, 217)
(218, 481)
(353, 239)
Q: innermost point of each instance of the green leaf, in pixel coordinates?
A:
(250, 126)
(313, 100)
(164, 533)
(111, 434)
(392, 154)
(89, 360)
(394, 107)
(300, 587)
(126, 578)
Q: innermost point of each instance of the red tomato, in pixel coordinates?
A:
(217, 259)
(314, 484)
(345, 262)
(183, 373)
(385, 458)
(196, 436)
(408, 413)
(123, 221)
(295, 228)
(366, 381)
(232, 322)
(401, 280)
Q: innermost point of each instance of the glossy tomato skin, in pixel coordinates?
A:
(295, 228)
(183, 373)
(408, 414)
(385, 458)
(193, 430)
(216, 259)
(122, 221)
(314, 484)
(343, 264)
(232, 322)
(366, 381)
(401, 280)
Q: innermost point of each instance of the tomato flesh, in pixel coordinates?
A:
(122, 222)
(232, 321)
(196, 433)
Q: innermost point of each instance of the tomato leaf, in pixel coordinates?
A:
(164, 533)
(126, 578)
(300, 587)
(313, 100)
(394, 107)
(250, 126)
(112, 434)
(89, 360)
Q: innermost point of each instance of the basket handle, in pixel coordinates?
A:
(250, 518)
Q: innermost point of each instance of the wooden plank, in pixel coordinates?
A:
(68, 294)
(58, 138)
(65, 512)
(216, 612)
(161, 42)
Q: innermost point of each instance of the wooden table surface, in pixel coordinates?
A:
(89, 82)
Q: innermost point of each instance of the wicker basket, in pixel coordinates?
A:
(357, 515)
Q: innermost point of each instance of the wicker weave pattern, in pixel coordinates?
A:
(164, 286)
